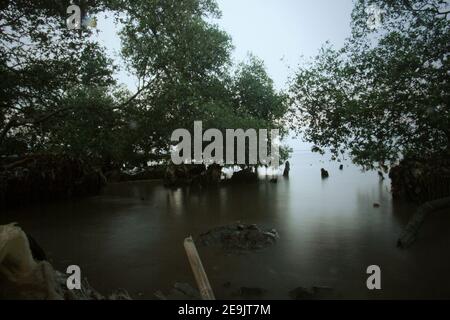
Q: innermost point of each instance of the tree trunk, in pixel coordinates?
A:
(411, 230)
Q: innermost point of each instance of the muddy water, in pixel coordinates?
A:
(131, 236)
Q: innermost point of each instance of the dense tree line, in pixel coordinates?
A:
(385, 95)
(58, 92)
(382, 97)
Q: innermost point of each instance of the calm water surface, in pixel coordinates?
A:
(132, 235)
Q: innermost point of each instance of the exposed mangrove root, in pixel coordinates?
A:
(44, 177)
(196, 175)
(421, 180)
(411, 230)
(149, 173)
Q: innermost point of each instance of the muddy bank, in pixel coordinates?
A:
(40, 178)
(45, 177)
(176, 176)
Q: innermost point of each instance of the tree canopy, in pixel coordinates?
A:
(59, 94)
(385, 94)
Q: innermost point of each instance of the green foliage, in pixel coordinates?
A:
(254, 93)
(385, 95)
(58, 95)
(40, 63)
(182, 63)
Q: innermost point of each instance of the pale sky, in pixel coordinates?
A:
(280, 32)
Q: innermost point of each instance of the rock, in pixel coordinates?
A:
(253, 235)
(180, 291)
(315, 292)
(246, 292)
(120, 294)
(301, 293)
(187, 290)
(324, 173)
(269, 236)
(253, 227)
(239, 237)
(246, 175)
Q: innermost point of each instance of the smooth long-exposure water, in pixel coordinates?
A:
(132, 235)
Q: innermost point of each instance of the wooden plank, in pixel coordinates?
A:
(198, 270)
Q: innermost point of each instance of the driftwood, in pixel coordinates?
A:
(199, 272)
(21, 277)
(411, 230)
(24, 278)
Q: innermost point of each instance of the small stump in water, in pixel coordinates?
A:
(324, 173)
(239, 237)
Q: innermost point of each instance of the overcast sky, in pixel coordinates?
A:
(278, 31)
(281, 31)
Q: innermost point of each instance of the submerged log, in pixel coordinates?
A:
(411, 230)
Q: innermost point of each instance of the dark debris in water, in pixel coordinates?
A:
(239, 237)
(301, 293)
(250, 293)
(180, 291)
